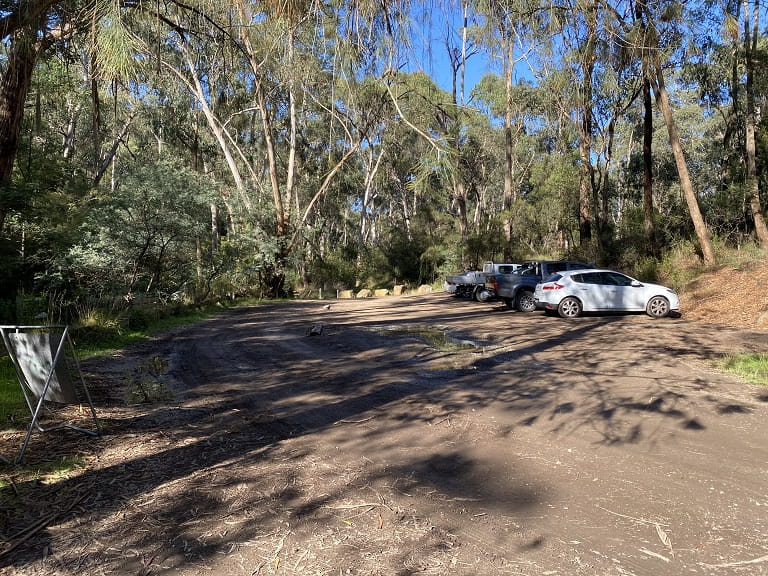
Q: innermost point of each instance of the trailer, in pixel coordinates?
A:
(472, 284)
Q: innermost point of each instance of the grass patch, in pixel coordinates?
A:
(23, 480)
(751, 367)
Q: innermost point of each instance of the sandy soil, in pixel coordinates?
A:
(533, 445)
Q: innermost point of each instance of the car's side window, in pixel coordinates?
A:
(578, 278)
(619, 279)
(591, 278)
(607, 279)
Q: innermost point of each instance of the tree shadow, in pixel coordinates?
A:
(251, 382)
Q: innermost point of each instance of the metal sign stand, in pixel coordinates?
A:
(45, 360)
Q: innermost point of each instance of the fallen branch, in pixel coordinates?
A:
(352, 421)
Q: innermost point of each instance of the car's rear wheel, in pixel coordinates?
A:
(658, 307)
(569, 307)
(525, 302)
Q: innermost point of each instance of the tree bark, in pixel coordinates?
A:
(510, 195)
(753, 183)
(585, 126)
(649, 220)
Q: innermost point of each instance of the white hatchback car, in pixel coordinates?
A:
(575, 291)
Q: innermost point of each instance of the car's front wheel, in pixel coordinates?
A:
(569, 307)
(525, 301)
(658, 307)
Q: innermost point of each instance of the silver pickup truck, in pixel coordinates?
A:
(516, 290)
(473, 284)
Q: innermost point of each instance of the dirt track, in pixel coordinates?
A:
(600, 446)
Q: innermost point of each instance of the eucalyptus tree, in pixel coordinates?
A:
(420, 159)
(655, 37)
(523, 108)
(460, 47)
(513, 31)
(578, 27)
(751, 36)
(32, 28)
(590, 84)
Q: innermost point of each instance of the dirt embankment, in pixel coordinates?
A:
(729, 297)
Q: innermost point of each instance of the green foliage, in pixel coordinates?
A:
(680, 265)
(402, 260)
(140, 239)
(336, 271)
(376, 269)
(148, 237)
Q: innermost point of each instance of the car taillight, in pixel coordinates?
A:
(495, 284)
(553, 286)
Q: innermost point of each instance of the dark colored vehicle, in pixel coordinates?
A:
(516, 290)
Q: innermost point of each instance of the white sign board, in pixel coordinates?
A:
(35, 352)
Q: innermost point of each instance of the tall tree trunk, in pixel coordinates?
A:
(14, 87)
(458, 65)
(269, 140)
(510, 192)
(585, 126)
(196, 88)
(649, 219)
(702, 232)
(281, 228)
(290, 178)
(753, 183)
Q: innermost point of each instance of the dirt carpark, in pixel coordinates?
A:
(336, 438)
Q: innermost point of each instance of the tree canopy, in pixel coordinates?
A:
(199, 150)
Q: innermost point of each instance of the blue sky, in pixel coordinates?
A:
(428, 52)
